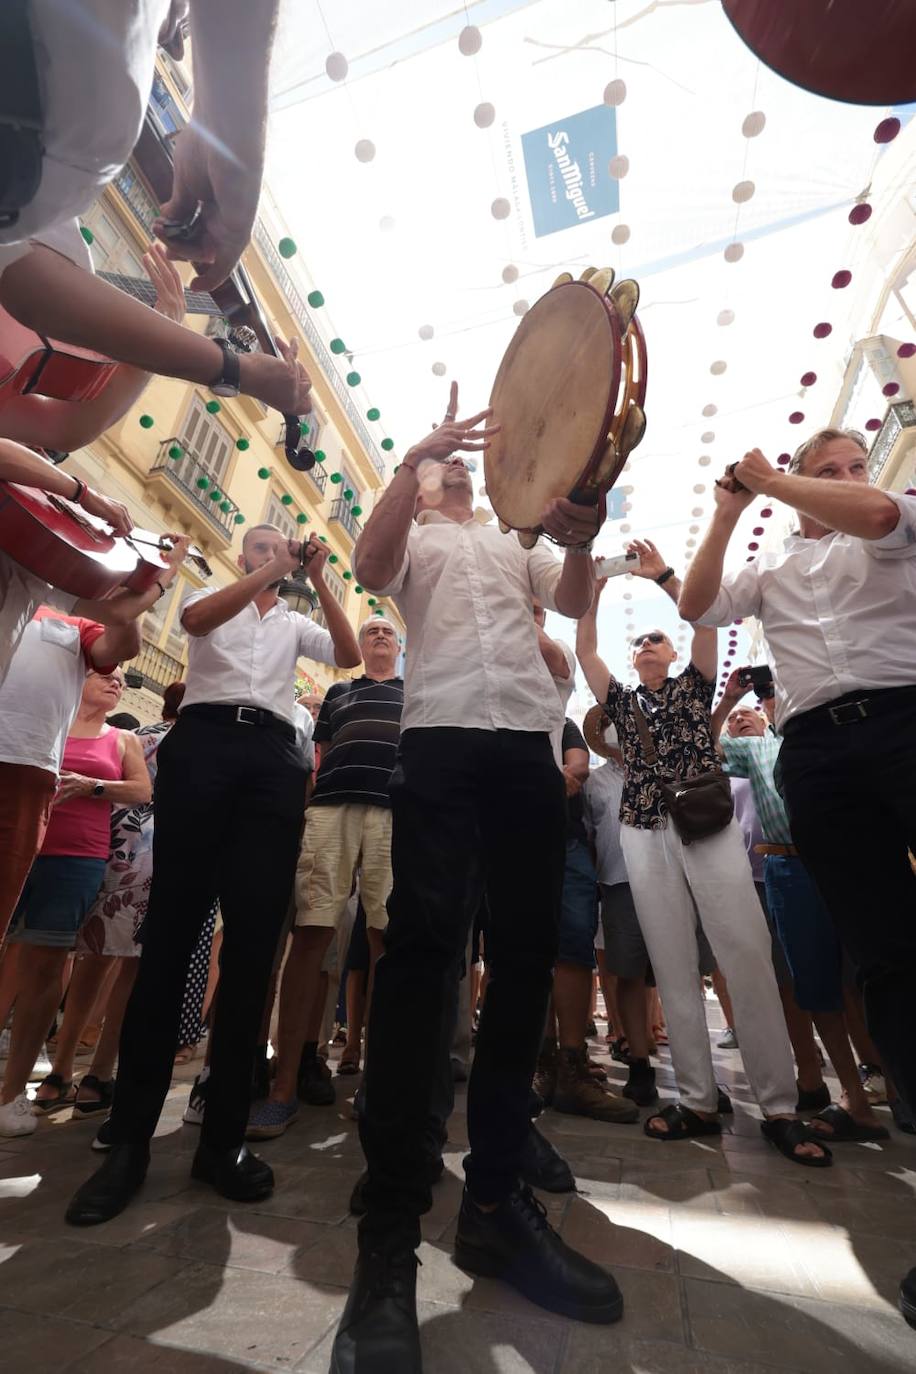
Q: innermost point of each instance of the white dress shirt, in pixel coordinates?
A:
(839, 613)
(466, 592)
(564, 686)
(304, 726)
(251, 659)
(21, 593)
(601, 797)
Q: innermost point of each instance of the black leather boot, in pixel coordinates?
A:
(640, 1085)
(110, 1188)
(234, 1172)
(358, 1206)
(542, 1165)
(378, 1332)
(515, 1242)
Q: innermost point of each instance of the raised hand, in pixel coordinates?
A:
(453, 435)
(734, 690)
(165, 278)
(755, 472)
(730, 494)
(279, 382)
(314, 557)
(227, 192)
(651, 562)
(287, 558)
(112, 512)
(175, 556)
(568, 522)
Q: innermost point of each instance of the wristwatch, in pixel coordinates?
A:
(98, 790)
(664, 576)
(227, 383)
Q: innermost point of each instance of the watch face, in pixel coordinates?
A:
(224, 389)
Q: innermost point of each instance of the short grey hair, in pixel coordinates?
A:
(819, 441)
(377, 620)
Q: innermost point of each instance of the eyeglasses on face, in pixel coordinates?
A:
(653, 638)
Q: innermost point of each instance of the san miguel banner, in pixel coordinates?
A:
(566, 164)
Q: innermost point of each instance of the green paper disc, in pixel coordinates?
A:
(88, 235)
(242, 444)
(286, 499)
(353, 379)
(380, 610)
(347, 575)
(332, 558)
(225, 507)
(348, 494)
(213, 407)
(373, 413)
(356, 510)
(323, 538)
(176, 451)
(146, 422)
(203, 483)
(287, 248)
(396, 469)
(240, 519)
(336, 477)
(387, 445)
(315, 300)
(303, 428)
(215, 494)
(358, 589)
(320, 455)
(338, 346)
(302, 518)
(372, 601)
(264, 473)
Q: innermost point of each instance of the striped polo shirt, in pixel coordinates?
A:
(358, 728)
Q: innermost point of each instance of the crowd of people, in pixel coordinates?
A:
(270, 869)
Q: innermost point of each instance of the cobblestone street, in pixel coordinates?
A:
(731, 1259)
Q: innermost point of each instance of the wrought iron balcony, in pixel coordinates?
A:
(319, 477)
(139, 201)
(898, 418)
(159, 669)
(201, 486)
(327, 360)
(340, 510)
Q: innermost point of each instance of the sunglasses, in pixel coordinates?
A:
(653, 638)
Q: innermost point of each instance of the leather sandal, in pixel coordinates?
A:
(65, 1096)
(682, 1124)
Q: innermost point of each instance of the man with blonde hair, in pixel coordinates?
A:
(836, 605)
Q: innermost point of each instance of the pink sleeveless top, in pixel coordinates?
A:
(81, 827)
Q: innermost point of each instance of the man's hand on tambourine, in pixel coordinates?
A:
(568, 522)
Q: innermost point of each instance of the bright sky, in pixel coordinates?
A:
(407, 240)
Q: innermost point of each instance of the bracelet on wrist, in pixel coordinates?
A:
(663, 577)
(580, 548)
(80, 491)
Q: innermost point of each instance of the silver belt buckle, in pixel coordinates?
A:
(247, 715)
(840, 715)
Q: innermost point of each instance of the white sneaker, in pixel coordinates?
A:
(193, 1114)
(42, 1066)
(16, 1117)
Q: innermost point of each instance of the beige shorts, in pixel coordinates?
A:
(339, 842)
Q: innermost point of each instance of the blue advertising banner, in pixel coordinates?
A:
(615, 500)
(566, 164)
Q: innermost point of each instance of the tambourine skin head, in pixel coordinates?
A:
(625, 296)
(634, 427)
(602, 281)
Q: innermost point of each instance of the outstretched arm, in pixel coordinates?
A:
(597, 673)
(17, 464)
(849, 507)
(704, 576)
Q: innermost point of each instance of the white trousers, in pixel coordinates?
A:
(663, 874)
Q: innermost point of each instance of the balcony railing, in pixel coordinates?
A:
(340, 510)
(158, 667)
(898, 418)
(139, 201)
(188, 474)
(319, 477)
(316, 343)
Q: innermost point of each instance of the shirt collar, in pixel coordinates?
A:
(435, 517)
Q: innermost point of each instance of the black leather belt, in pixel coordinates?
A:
(240, 715)
(851, 708)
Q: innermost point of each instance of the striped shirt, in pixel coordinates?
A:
(754, 757)
(358, 727)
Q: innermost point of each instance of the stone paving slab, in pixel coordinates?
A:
(731, 1259)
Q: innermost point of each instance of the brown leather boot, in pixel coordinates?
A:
(545, 1075)
(577, 1093)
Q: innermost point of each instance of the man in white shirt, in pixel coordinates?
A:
(477, 800)
(229, 801)
(837, 608)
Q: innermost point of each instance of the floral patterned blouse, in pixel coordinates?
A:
(679, 720)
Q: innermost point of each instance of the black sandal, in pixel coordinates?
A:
(844, 1127)
(682, 1124)
(105, 1089)
(787, 1135)
(45, 1106)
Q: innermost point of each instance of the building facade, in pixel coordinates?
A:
(184, 461)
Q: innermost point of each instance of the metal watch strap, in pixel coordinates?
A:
(580, 548)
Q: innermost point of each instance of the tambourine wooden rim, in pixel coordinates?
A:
(595, 411)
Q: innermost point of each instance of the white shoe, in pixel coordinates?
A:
(42, 1066)
(16, 1117)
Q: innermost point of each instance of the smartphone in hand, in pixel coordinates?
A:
(614, 567)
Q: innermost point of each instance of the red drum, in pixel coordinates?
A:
(569, 398)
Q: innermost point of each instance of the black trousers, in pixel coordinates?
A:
(473, 810)
(229, 803)
(851, 795)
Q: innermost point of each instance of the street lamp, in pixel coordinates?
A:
(298, 593)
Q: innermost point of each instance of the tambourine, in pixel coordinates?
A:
(568, 398)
